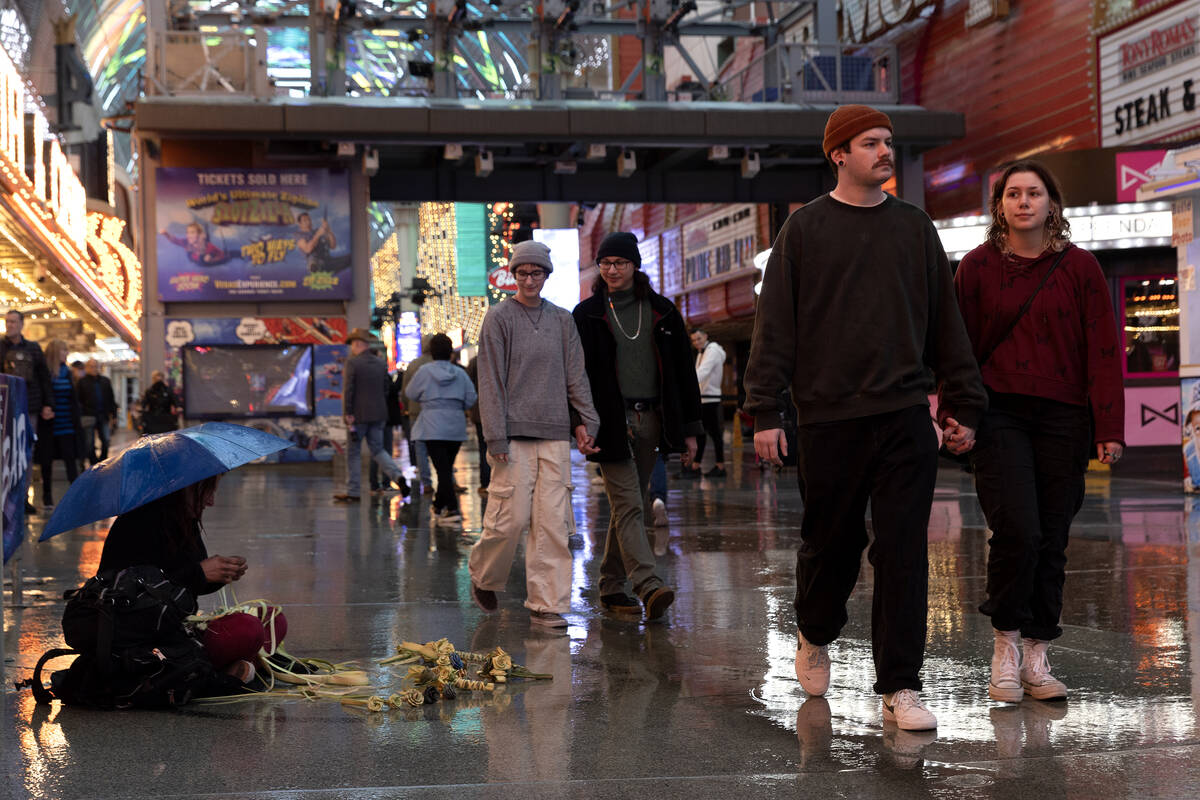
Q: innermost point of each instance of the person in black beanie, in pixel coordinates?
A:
(639, 363)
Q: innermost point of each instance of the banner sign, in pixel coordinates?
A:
(253, 234)
(17, 456)
(470, 249)
(1148, 77)
(718, 244)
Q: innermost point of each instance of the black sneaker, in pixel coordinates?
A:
(620, 603)
(484, 598)
(402, 485)
(658, 601)
(715, 472)
(288, 664)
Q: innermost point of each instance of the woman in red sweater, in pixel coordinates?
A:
(1060, 361)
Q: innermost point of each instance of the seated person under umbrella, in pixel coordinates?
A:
(167, 534)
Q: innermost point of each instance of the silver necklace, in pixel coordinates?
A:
(532, 321)
(617, 319)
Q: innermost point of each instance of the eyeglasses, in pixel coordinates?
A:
(618, 263)
(533, 274)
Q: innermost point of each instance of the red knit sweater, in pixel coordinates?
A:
(1065, 348)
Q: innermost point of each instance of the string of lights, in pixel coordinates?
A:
(443, 310)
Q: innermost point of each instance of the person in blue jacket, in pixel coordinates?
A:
(445, 392)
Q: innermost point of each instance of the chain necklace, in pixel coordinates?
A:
(532, 321)
(617, 319)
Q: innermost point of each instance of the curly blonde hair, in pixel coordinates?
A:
(1058, 229)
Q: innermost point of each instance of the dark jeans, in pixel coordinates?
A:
(485, 468)
(890, 461)
(1030, 458)
(373, 474)
(710, 417)
(57, 447)
(442, 454)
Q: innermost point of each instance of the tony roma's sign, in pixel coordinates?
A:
(1149, 78)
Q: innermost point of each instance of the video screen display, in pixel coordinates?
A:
(228, 381)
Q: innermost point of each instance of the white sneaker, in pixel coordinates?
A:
(908, 712)
(1035, 673)
(812, 666)
(658, 510)
(1005, 686)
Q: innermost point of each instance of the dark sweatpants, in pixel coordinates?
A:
(1030, 458)
(442, 453)
(710, 417)
(889, 460)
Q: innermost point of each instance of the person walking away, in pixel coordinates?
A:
(160, 411)
(533, 397)
(445, 392)
(364, 409)
(639, 366)
(98, 408)
(395, 410)
(1043, 374)
(25, 360)
(59, 435)
(418, 454)
(857, 313)
(485, 469)
(710, 368)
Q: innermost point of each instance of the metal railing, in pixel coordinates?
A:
(195, 63)
(809, 73)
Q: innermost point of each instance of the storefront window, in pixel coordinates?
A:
(1151, 314)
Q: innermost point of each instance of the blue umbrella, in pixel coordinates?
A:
(154, 466)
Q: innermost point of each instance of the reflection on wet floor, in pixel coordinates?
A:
(703, 705)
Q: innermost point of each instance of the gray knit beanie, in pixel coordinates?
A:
(531, 252)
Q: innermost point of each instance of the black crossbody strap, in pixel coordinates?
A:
(1012, 326)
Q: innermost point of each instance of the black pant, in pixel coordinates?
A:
(60, 447)
(710, 417)
(442, 454)
(485, 468)
(1030, 458)
(890, 461)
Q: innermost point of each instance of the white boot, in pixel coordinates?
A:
(1005, 686)
(1035, 673)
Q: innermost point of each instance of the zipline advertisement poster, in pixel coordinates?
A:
(253, 234)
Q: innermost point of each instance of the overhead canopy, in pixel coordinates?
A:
(670, 143)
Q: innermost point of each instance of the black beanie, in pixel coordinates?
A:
(620, 245)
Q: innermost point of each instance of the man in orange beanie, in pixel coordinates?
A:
(858, 314)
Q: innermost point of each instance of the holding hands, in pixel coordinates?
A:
(956, 437)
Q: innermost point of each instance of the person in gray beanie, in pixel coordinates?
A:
(533, 398)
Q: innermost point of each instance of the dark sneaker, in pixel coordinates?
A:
(658, 601)
(346, 498)
(620, 603)
(288, 664)
(484, 598)
(715, 472)
(402, 485)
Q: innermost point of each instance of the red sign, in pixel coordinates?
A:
(1134, 169)
(502, 280)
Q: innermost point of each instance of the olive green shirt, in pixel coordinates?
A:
(637, 360)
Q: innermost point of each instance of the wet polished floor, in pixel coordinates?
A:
(704, 704)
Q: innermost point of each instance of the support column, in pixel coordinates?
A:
(910, 176)
(358, 308)
(827, 27)
(654, 76)
(153, 322)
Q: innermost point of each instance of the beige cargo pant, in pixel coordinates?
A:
(533, 489)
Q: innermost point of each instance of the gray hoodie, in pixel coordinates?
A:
(445, 392)
(530, 380)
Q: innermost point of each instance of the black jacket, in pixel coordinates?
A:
(140, 537)
(679, 394)
(26, 360)
(86, 388)
(157, 405)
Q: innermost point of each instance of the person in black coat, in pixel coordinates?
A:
(639, 363)
(160, 410)
(98, 406)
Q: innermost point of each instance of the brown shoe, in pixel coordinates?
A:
(346, 498)
(658, 601)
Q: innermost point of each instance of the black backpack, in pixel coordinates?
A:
(133, 650)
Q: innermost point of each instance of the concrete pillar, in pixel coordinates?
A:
(827, 27)
(153, 323)
(910, 176)
(358, 308)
